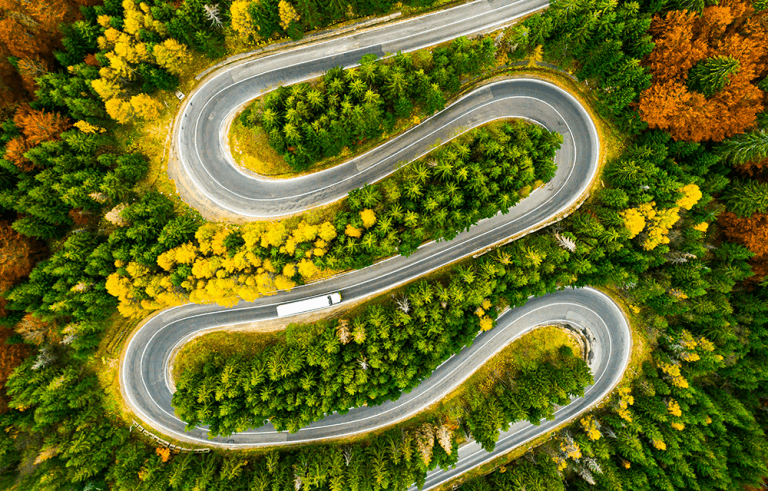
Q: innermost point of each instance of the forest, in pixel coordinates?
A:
(306, 124)
(676, 230)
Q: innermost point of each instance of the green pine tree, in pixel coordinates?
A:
(712, 75)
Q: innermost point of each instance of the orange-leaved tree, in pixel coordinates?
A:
(36, 126)
(705, 71)
(18, 255)
(751, 232)
(29, 32)
(11, 356)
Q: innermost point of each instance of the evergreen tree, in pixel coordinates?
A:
(745, 148)
(746, 198)
(712, 75)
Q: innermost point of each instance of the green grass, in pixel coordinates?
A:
(196, 353)
(250, 148)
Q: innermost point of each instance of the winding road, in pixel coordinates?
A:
(209, 178)
(206, 174)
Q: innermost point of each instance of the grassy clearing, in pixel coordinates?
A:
(642, 344)
(199, 351)
(251, 150)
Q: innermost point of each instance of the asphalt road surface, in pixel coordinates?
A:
(144, 374)
(209, 169)
(209, 178)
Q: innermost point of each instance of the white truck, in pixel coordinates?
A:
(308, 305)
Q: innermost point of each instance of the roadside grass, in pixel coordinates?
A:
(642, 343)
(641, 352)
(105, 363)
(152, 138)
(537, 346)
(227, 344)
(534, 348)
(251, 150)
(235, 44)
(500, 462)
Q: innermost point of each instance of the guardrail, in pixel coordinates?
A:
(165, 443)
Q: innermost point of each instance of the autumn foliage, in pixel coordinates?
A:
(684, 40)
(29, 31)
(752, 232)
(215, 270)
(11, 356)
(17, 256)
(36, 127)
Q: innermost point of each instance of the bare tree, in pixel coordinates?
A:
(347, 452)
(607, 431)
(566, 243)
(403, 304)
(593, 465)
(425, 440)
(443, 435)
(212, 14)
(585, 474)
(69, 339)
(680, 257)
(44, 358)
(115, 216)
(343, 331)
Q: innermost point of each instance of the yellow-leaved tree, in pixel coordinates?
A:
(691, 196)
(634, 221)
(656, 224)
(368, 217)
(88, 128)
(171, 55)
(224, 264)
(242, 23)
(145, 107)
(288, 14)
(126, 50)
(119, 110)
(327, 231)
(353, 231)
(307, 268)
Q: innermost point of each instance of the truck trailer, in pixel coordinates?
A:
(308, 305)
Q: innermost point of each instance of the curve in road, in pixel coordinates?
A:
(208, 177)
(208, 168)
(144, 378)
(598, 318)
